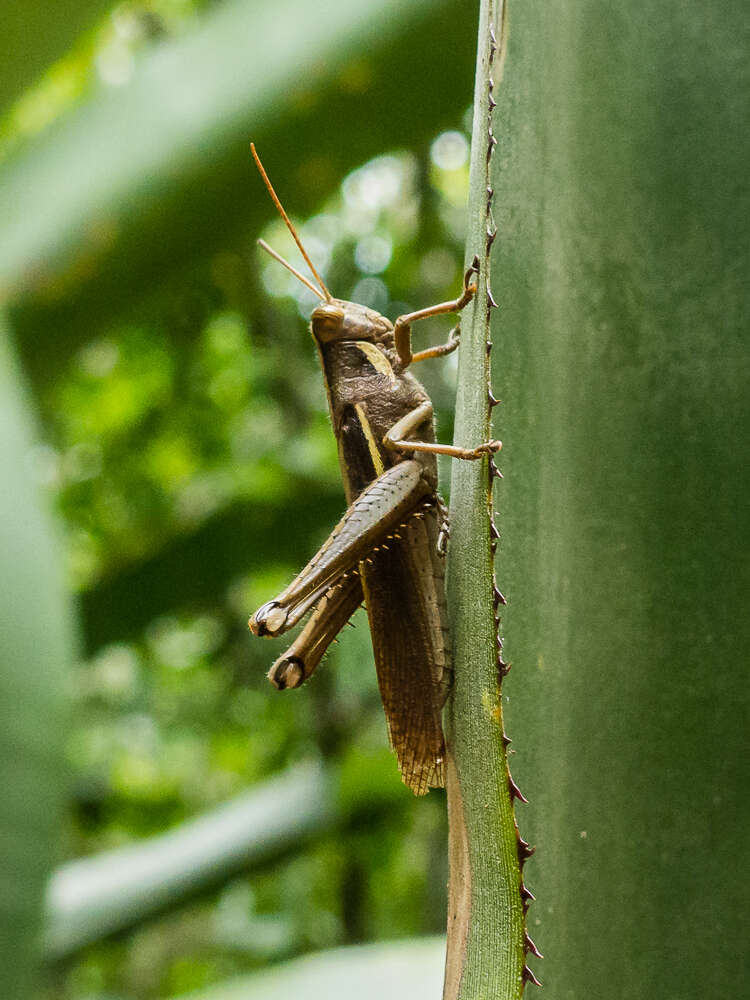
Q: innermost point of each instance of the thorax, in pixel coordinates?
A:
(368, 393)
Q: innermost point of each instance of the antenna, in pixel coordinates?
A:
(295, 272)
(287, 220)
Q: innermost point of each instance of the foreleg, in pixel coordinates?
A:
(402, 326)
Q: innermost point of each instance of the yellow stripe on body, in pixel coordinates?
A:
(372, 445)
(377, 359)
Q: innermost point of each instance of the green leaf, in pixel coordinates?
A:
(92, 898)
(485, 912)
(407, 970)
(35, 35)
(622, 361)
(35, 647)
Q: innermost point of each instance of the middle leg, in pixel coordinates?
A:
(397, 438)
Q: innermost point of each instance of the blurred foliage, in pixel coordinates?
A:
(410, 969)
(159, 426)
(104, 56)
(36, 650)
(186, 446)
(148, 437)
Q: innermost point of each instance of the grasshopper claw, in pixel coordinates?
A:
(488, 448)
(268, 620)
(287, 672)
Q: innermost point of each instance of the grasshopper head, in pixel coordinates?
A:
(333, 319)
(342, 320)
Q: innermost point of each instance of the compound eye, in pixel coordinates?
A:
(327, 320)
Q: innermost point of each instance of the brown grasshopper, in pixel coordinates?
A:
(388, 549)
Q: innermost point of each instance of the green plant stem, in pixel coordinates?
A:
(486, 919)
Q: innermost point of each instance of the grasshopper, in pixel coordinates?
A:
(388, 549)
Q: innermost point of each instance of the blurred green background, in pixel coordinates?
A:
(160, 394)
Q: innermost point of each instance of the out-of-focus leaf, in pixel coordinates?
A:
(406, 970)
(35, 646)
(142, 181)
(35, 34)
(93, 897)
